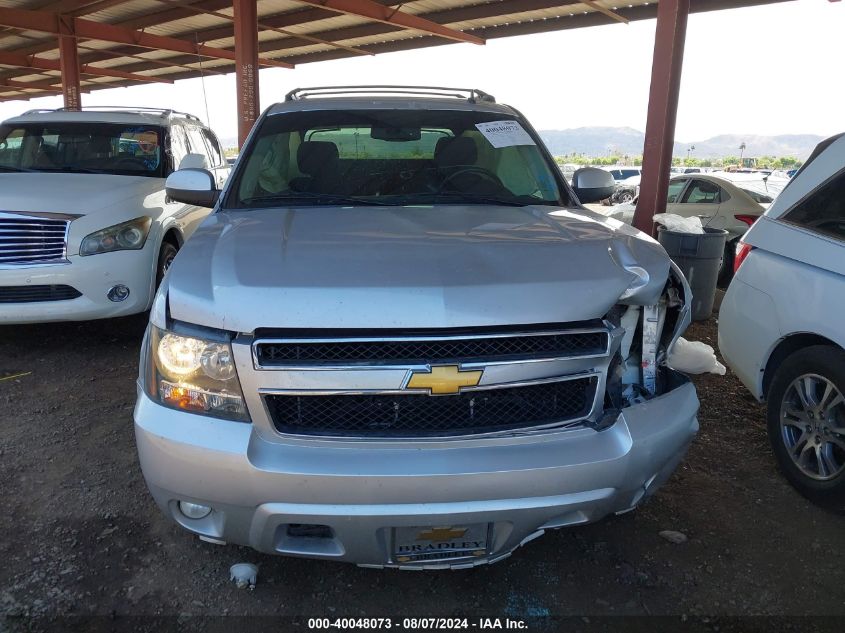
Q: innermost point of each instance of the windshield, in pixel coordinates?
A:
(100, 148)
(393, 157)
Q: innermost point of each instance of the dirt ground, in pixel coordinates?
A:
(79, 534)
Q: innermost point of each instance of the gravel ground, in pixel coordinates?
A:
(81, 535)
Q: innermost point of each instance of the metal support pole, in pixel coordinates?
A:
(69, 64)
(246, 69)
(662, 110)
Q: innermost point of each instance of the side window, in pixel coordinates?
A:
(214, 150)
(196, 144)
(675, 189)
(701, 192)
(823, 211)
(10, 148)
(178, 145)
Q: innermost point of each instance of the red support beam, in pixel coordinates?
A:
(30, 95)
(662, 110)
(69, 63)
(389, 15)
(49, 85)
(246, 65)
(44, 22)
(30, 61)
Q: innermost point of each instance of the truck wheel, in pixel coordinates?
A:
(806, 423)
(165, 258)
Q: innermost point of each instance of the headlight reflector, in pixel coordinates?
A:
(179, 355)
(129, 235)
(194, 374)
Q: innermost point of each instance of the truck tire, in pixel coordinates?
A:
(165, 257)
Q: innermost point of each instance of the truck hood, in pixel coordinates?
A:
(410, 267)
(75, 194)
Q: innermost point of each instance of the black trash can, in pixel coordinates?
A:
(699, 256)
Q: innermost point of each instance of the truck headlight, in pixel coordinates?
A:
(193, 374)
(126, 236)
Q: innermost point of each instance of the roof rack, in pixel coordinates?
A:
(161, 111)
(472, 95)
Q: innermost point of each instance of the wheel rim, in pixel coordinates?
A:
(165, 265)
(812, 424)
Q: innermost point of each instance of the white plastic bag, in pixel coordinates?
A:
(694, 357)
(679, 223)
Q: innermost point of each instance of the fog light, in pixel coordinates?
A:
(118, 293)
(194, 510)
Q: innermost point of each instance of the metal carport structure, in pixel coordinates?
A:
(68, 47)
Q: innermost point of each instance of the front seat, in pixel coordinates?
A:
(318, 160)
(453, 153)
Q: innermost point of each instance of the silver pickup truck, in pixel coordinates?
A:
(400, 340)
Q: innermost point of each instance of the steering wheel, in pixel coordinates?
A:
(481, 172)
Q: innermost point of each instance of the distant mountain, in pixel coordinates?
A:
(594, 141)
(600, 141)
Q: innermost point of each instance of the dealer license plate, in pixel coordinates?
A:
(415, 544)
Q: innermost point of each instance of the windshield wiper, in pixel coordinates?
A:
(15, 169)
(481, 199)
(325, 198)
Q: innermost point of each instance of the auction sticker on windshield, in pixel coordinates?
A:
(413, 544)
(504, 133)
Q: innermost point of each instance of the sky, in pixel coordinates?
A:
(774, 69)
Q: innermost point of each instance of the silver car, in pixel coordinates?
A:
(400, 341)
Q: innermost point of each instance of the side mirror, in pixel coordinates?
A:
(192, 186)
(592, 184)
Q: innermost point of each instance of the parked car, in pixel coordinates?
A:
(621, 173)
(627, 191)
(87, 230)
(720, 203)
(401, 341)
(780, 325)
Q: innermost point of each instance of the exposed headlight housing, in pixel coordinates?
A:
(126, 236)
(194, 374)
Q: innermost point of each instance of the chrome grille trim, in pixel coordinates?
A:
(27, 240)
(386, 363)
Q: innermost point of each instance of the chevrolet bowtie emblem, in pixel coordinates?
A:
(444, 379)
(441, 534)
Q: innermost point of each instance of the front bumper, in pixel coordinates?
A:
(92, 276)
(519, 485)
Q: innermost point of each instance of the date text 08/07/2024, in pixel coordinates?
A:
(417, 624)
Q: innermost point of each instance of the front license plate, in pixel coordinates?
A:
(413, 544)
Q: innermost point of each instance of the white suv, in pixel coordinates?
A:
(781, 325)
(86, 229)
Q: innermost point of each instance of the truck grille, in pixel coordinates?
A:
(32, 240)
(424, 350)
(33, 294)
(415, 415)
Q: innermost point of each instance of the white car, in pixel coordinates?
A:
(86, 229)
(781, 323)
(621, 172)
